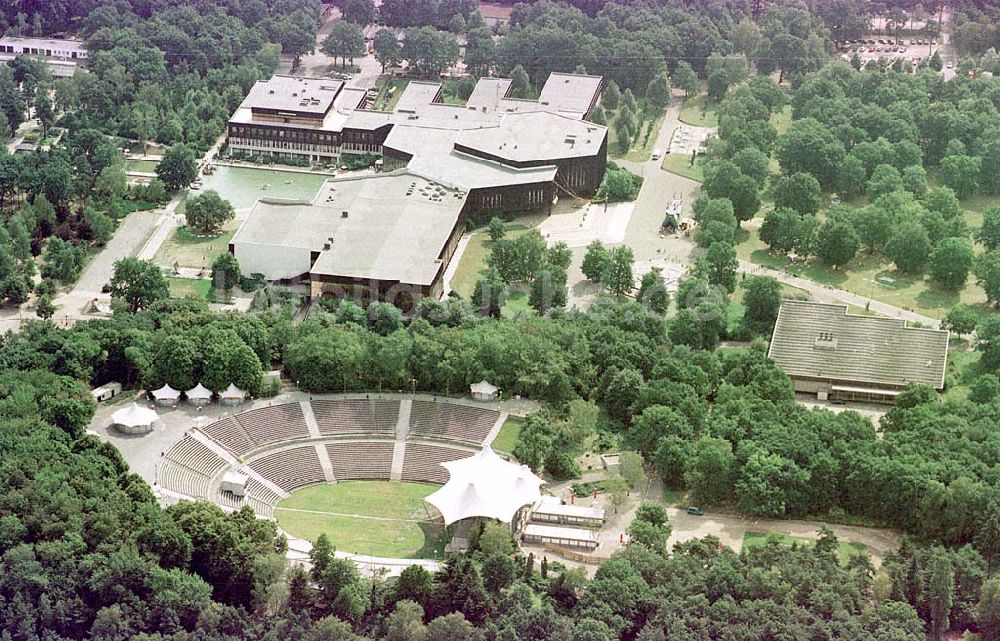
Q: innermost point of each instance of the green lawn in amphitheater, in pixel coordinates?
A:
(378, 518)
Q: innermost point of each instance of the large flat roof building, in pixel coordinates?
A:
(369, 231)
(440, 163)
(323, 121)
(840, 356)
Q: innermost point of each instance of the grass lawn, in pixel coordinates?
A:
(517, 303)
(384, 101)
(507, 438)
(870, 277)
(473, 260)
(782, 120)
(699, 111)
(963, 368)
(845, 550)
(130, 206)
(191, 250)
(189, 288)
(402, 528)
(145, 166)
(681, 165)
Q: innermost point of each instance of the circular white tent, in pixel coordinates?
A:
(198, 395)
(134, 419)
(166, 395)
(485, 486)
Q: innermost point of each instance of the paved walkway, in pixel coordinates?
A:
(642, 232)
(826, 294)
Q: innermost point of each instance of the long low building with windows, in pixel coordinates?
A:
(62, 56)
(848, 357)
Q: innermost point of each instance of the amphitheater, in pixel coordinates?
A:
(286, 446)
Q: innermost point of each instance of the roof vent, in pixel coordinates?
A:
(343, 214)
(326, 246)
(295, 93)
(270, 91)
(826, 340)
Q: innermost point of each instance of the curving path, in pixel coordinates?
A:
(826, 294)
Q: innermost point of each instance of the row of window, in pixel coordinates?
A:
(290, 134)
(277, 144)
(58, 53)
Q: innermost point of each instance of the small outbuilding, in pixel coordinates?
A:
(199, 395)
(166, 396)
(134, 419)
(484, 391)
(232, 395)
(234, 482)
(106, 392)
(551, 511)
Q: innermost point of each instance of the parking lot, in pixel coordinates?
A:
(874, 48)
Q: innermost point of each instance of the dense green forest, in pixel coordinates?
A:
(722, 423)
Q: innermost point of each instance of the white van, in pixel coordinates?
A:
(657, 154)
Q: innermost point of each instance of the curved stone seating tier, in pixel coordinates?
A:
(361, 460)
(289, 469)
(195, 455)
(356, 416)
(451, 421)
(267, 425)
(228, 433)
(183, 480)
(423, 462)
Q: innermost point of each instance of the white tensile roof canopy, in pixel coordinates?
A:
(199, 391)
(483, 387)
(166, 392)
(485, 486)
(233, 392)
(133, 416)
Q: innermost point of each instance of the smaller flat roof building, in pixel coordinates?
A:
(550, 510)
(840, 356)
(563, 536)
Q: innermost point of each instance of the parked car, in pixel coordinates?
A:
(695, 511)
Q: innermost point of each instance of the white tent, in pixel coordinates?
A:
(134, 419)
(483, 390)
(484, 485)
(232, 395)
(199, 394)
(166, 395)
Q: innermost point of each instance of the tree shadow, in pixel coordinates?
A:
(435, 539)
(936, 298)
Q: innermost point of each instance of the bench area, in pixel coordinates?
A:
(290, 469)
(188, 468)
(423, 462)
(451, 422)
(356, 416)
(361, 460)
